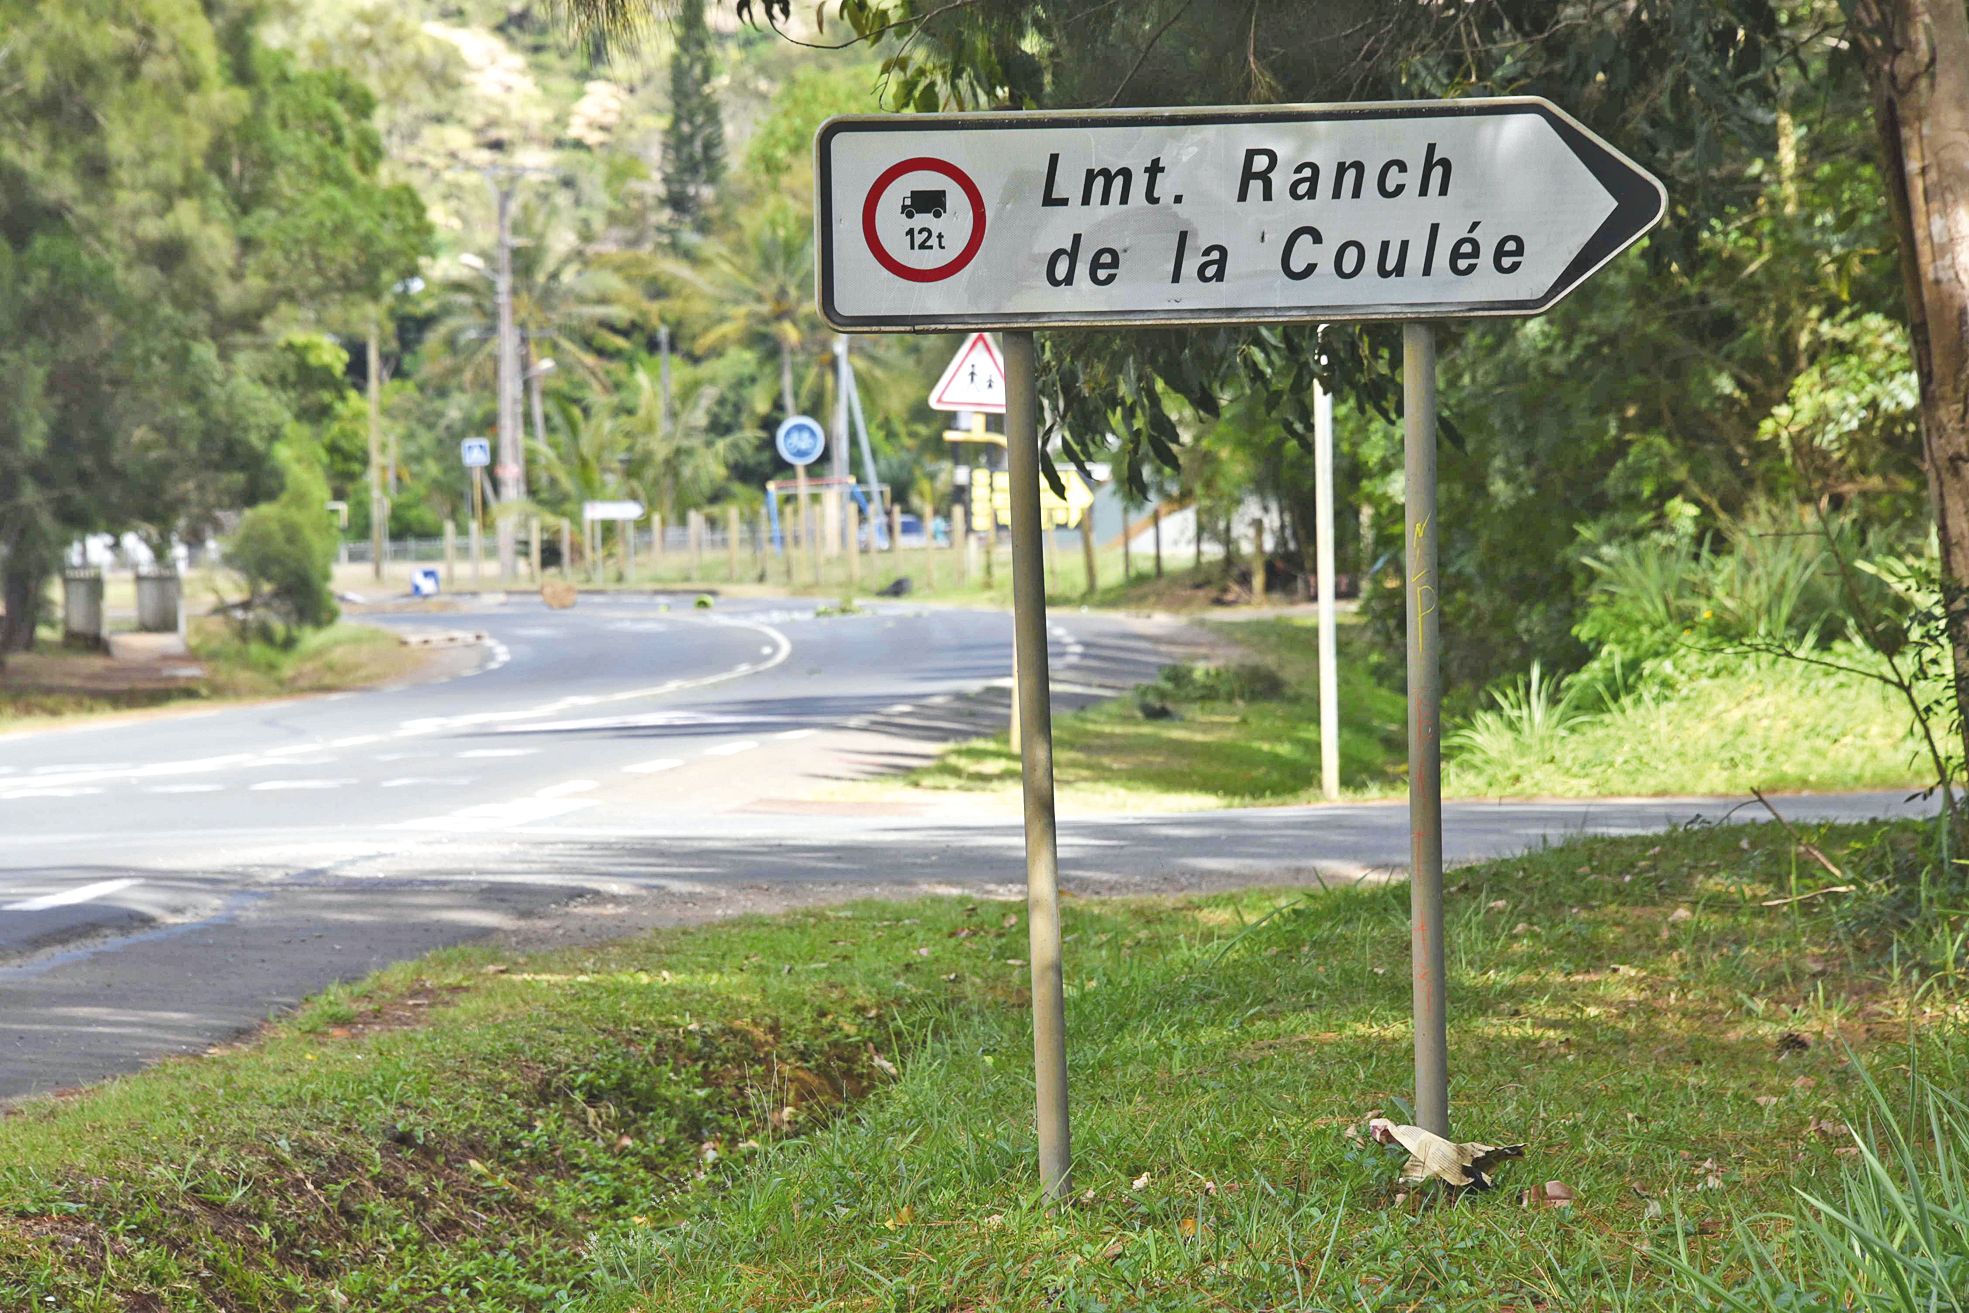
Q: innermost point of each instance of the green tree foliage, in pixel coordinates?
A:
(694, 140)
(1651, 383)
(168, 190)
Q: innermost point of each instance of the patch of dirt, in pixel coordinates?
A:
(98, 675)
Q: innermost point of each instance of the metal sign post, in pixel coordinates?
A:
(1412, 211)
(1329, 679)
(1033, 692)
(1425, 749)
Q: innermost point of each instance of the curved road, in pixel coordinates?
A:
(166, 882)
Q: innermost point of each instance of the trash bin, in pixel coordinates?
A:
(82, 607)
(158, 589)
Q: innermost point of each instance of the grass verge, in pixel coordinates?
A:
(54, 685)
(831, 1109)
(1248, 734)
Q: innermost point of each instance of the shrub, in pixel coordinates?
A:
(284, 550)
(1243, 682)
(1527, 719)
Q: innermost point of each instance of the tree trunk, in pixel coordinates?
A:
(21, 584)
(1916, 55)
(785, 380)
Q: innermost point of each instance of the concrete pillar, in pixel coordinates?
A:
(82, 607)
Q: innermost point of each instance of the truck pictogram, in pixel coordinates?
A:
(932, 201)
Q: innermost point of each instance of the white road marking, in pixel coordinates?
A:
(406, 781)
(566, 787)
(69, 897)
(653, 767)
(61, 770)
(488, 816)
(783, 648)
(292, 786)
(185, 788)
(495, 752)
(940, 700)
(765, 651)
(732, 749)
(797, 734)
(15, 794)
(356, 741)
(899, 709)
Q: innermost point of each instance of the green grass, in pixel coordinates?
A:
(934, 575)
(484, 1132)
(1212, 751)
(1705, 724)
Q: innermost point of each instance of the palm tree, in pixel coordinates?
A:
(579, 461)
(564, 304)
(676, 462)
(756, 290)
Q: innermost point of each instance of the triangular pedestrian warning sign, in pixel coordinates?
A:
(974, 381)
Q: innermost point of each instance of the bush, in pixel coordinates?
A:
(1244, 682)
(285, 552)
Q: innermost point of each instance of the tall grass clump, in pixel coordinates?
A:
(1528, 719)
(1892, 1236)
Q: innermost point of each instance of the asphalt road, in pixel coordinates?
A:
(170, 881)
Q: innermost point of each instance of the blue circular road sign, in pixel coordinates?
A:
(800, 439)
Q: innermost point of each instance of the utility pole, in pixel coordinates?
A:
(512, 487)
(379, 507)
(663, 372)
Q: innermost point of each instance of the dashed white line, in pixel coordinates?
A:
(732, 749)
(185, 788)
(797, 734)
(69, 897)
(653, 767)
(474, 753)
(295, 786)
(899, 709)
(490, 816)
(565, 788)
(356, 741)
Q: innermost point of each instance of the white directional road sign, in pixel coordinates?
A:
(800, 439)
(974, 379)
(611, 510)
(1369, 211)
(475, 452)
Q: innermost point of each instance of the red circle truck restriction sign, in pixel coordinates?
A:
(915, 226)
